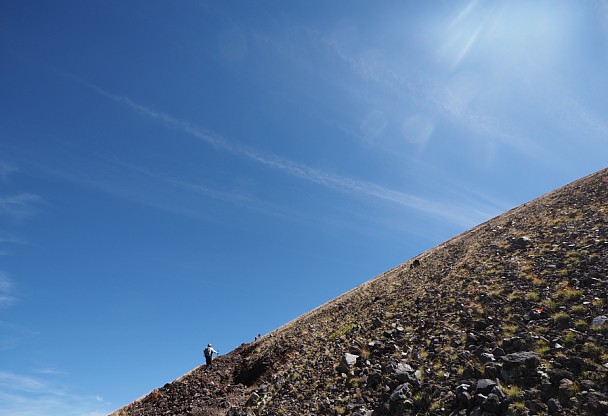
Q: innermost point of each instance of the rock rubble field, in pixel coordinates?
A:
(508, 318)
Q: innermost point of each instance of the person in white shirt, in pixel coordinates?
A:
(209, 351)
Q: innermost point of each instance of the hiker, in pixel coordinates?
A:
(209, 351)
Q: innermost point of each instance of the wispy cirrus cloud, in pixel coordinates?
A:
(6, 169)
(26, 395)
(7, 240)
(20, 205)
(24, 383)
(353, 186)
(6, 287)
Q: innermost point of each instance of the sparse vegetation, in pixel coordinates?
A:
(508, 330)
(513, 392)
(342, 331)
(578, 309)
(592, 350)
(561, 319)
(542, 346)
(569, 294)
(570, 337)
(532, 297)
(581, 325)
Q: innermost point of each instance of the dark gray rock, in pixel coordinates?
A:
(253, 400)
(498, 352)
(400, 400)
(557, 374)
(514, 344)
(491, 404)
(476, 411)
(572, 363)
(363, 412)
(405, 373)
(599, 321)
(528, 359)
(401, 393)
(377, 323)
(485, 386)
(566, 388)
(464, 400)
(498, 392)
(520, 243)
(376, 346)
(554, 406)
(597, 404)
(373, 379)
(486, 357)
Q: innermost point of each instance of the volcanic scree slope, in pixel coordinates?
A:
(508, 318)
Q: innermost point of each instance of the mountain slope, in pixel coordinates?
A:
(507, 318)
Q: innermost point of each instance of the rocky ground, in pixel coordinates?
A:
(509, 318)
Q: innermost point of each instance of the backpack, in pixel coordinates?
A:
(207, 352)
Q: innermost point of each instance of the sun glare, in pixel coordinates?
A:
(512, 33)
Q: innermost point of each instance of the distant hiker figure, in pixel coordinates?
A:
(209, 351)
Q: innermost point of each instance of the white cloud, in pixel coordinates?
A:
(22, 383)
(49, 371)
(20, 205)
(23, 395)
(6, 169)
(353, 186)
(6, 286)
(10, 239)
(5, 283)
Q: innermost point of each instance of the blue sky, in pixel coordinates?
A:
(178, 173)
